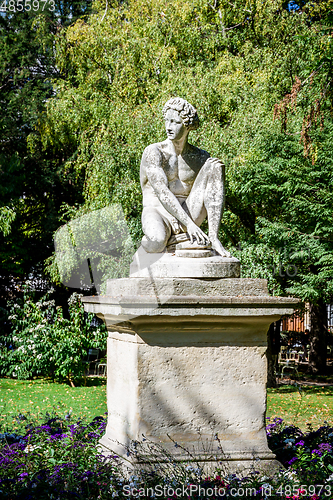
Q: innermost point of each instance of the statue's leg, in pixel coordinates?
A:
(157, 230)
(207, 198)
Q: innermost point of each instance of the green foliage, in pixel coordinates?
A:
(44, 342)
(55, 456)
(309, 455)
(7, 215)
(315, 462)
(291, 199)
(32, 182)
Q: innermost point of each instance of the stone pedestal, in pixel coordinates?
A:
(167, 264)
(186, 362)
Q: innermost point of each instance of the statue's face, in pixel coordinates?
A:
(174, 125)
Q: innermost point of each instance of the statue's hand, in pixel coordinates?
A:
(217, 246)
(195, 232)
(215, 161)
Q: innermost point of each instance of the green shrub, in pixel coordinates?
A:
(44, 342)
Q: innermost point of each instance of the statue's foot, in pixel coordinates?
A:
(195, 245)
(178, 238)
(217, 246)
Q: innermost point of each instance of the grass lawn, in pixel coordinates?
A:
(40, 396)
(308, 404)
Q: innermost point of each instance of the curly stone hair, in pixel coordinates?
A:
(186, 111)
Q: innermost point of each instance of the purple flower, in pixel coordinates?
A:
(325, 447)
(317, 452)
(292, 460)
(300, 443)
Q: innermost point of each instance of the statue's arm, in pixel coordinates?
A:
(152, 162)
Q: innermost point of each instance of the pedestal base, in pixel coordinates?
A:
(190, 374)
(205, 397)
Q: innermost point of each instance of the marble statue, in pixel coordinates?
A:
(181, 186)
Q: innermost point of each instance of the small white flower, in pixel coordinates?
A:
(289, 442)
(289, 475)
(30, 447)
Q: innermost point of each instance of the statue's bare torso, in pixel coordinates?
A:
(180, 171)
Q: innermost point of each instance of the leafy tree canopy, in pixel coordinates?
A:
(32, 182)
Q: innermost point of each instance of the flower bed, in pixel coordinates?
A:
(57, 458)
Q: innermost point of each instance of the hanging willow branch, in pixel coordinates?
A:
(314, 116)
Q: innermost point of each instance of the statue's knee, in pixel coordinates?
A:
(153, 246)
(157, 246)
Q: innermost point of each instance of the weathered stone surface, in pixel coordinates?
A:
(190, 367)
(148, 287)
(193, 254)
(187, 336)
(168, 265)
(185, 392)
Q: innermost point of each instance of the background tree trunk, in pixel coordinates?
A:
(273, 349)
(318, 338)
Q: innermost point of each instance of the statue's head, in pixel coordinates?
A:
(186, 111)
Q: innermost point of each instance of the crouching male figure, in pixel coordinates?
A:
(181, 185)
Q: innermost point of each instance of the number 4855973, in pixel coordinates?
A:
(20, 5)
